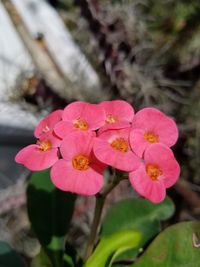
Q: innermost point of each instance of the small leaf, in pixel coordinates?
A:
(174, 247)
(68, 260)
(109, 245)
(41, 260)
(8, 257)
(50, 211)
(71, 257)
(137, 214)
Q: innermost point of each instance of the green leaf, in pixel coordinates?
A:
(41, 260)
(8, 257)
(137, 214)
(174, 247)
(71, 256)
(109, 245)
(50, 211)
(68, 260)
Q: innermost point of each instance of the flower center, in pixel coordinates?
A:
(153, 171)
(120, 144)
(44, 145)
(81, 163)
(110, 119)
(45, 129)
(151, 137)
(80, 124)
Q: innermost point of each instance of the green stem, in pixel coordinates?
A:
(94, 228)
(100, 200)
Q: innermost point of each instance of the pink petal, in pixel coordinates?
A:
(96, 164)
(162, 156)
(126, 161)
(114, 126)
(114, 133)
(93, 114)
(137, 142)
(66, 178)
(54, 139)
(34, 159)
(167, 131)
(153, 120)
(73, 110)
(46, 125)
(142, 183)
(77, 143)
(63, 128)
(120, 109)
(146, 119)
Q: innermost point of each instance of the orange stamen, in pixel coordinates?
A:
(153, 171)
(110, 119)
(44, 145)
(80, 124)
(151, 137)
(120, 144)
(81, 163)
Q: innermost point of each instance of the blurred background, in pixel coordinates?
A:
(53, 52)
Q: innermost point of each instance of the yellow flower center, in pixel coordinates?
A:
(120, 144)
(151, 137)
(153, 171)
(44, 145)
(110, 119)
(45, 129)
(81, 163)
(80, 124)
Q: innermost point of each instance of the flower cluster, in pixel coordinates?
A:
(79, 142)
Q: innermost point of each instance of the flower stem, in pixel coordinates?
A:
(97, 217)
(100, 200)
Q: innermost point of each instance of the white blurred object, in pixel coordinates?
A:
(16, 63)
(17, 116)
(14, 58)
(41, 19)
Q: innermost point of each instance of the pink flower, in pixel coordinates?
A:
(41, 155)
(80, 116)
(119, 114)
(79, 171)
(46, 125)
(112, 148)
(152, 126)
(159, 171)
